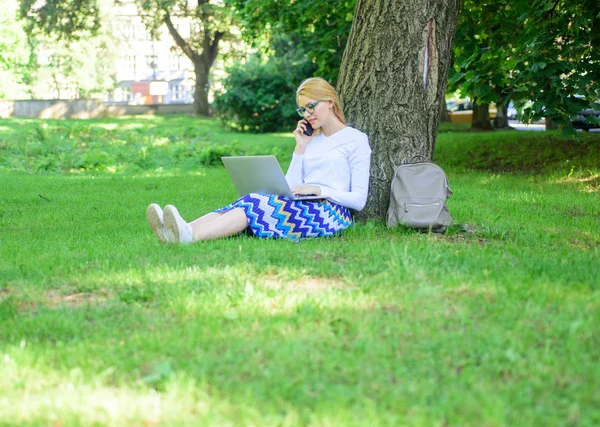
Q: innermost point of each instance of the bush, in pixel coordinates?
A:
(259, 96)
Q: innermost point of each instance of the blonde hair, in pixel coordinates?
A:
(318, 88)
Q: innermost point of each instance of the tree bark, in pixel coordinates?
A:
(481, 117)
(201, 105)
(550, 124)
(393, 80)
(501, 119)
(444, 115)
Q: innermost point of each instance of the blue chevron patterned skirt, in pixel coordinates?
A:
(279, 217)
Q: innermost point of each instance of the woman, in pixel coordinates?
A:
(334, 163)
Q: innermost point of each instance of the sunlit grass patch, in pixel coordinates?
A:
(114, 126)
(71, 398)
(588, 182)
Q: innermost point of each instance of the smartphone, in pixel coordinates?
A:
(309, 129)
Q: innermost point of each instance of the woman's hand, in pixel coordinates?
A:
(304, 190)
(302, 139)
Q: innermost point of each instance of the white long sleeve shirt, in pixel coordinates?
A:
(339, 164)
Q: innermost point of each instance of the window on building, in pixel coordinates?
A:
(129, 62)
(175, 61)
(129, 31)
(141, 33)
(177, 93)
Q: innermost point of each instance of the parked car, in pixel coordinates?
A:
(462, 112)
(580, 121)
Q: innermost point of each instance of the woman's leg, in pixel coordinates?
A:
(212, 226)
(206, 219)
(216, 225)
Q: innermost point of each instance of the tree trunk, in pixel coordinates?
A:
(202, 59)
(444, 116)
(393, 80)
(201, 105)
(481, 117)
(550, 124)
(56, 84)
(501, 119)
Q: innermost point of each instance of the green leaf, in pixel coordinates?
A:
(594, 120)
(482, 91)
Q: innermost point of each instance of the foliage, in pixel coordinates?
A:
(63, 19)
(486, 39)
(210, 22)
(17, 58)
(259, 95)
(77, 64)
(84, 147)
(543, 56)
(101, 325)
(559, 61)
(72, 20)
(321, 27)
(208, 18)
(77, 69)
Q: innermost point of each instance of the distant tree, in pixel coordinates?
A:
(543, 55)
(487, 38)
(319, 28)
(71, 53)
(393, 81)
(211, 22)
(63, 19)
(17, 62)
(558, 69)
(77, 69)
(75, 19)
(61, 68)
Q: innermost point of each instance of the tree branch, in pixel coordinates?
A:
(550, 13)
(185, 46)
(214, 46)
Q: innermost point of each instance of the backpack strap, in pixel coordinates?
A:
(416, 157)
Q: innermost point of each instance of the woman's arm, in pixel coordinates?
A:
(360, 165)
(295, 176)
(294, 173)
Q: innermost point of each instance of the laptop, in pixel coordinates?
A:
(260, 174)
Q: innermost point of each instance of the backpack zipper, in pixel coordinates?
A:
(419, 205)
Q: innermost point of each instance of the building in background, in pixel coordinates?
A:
(149, 70)
(122, 64)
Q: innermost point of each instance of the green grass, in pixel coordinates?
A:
(100, 324)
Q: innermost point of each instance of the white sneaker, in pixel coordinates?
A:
(176, 226)
(154, 215)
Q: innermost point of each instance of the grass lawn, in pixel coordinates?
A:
(100, 324)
